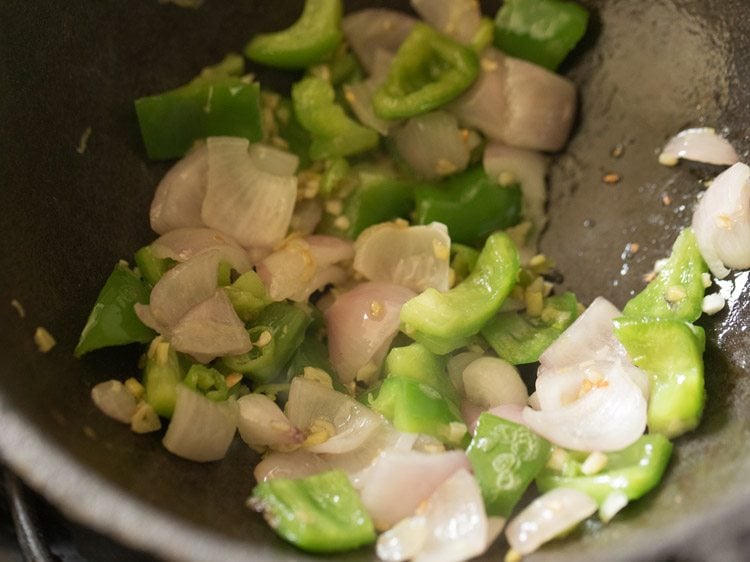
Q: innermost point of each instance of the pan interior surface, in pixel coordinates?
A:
(645, 71)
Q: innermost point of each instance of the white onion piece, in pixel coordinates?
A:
(262, 423)
(591, 336)
(182, 244)
(607, 417)
(510, 412)
(114, 400)
(699, 144)
(416, 257)
(457, 527)
(250, 204)
(547, 517)
(491, 381)
(200, 430)
(358, 462)
(508, 164)
(143, 312)
(456, 365)
(361, 325)
(459, 19)
(185, 286)
(722, 221)
(295, 464)
(311, 403)
(179, 195)
(211, 329)
(359, 94)
(612, 505)
(304, 265)
(273, 160)
(518, 103)
(372, 29)
(432, 144)
(400, 481)
(403, 541)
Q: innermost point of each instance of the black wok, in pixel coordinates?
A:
(646, 70)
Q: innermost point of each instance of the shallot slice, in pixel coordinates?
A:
(182, 244)
(722, 221)
(547, 517)
(115, 400)
(295, 464)
(416, 257)
(262, 424)
(699, 144)
(368, 31)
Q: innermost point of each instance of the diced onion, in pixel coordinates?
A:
(295, 464)
(201, 430)
(612, 505)
(182, 244)
(547, 517)
(699, 144)
(722, 221)
(114, 400)
(262, 423)
(273, 160)
(491, 381)
(416, 257)
(459, 19)
(372, 29)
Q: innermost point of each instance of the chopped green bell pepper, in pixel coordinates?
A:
(443, 322)
(635, 470)
(161, 376)
(540, 31)
(417, 407)
(313, 37)
(463, 260)
(470, 204)
(151, 267)
(248, 295)
(677, 292)
(172, 121)
(320, 513)
(483, 36)
(276, 333)
(519, 338)
(208, 382)
(334, 133)
(505, 457)
(428, 71)
(416, 362)
(113, 321)
(671, 353)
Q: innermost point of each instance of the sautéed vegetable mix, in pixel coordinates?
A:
(347, 274)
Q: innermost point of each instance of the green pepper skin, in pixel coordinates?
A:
(416, 362)
(151, 267)
(320, 513)
(671, 353)
(287, 324)
(470, 204)
(416, 407)
(428, 71)
(113, 321)
(208, 382)
(635, 471)
(160, 379)
(505, 457)
(683, 274)
(519, 339)
(334, 133)
(172, 121)
(540, 31)
(442, 321)
(313, 37)
(248, 295)
(463, 260)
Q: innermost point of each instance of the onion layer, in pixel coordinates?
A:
(262, 423)
(368, 31)
(700, 144)
(182, 244)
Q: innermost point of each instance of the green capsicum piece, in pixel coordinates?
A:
(470, 204)
(276, 333)
(463, 260)
(313, 37)
(161, 376)
(428, 71)
(671, 353)
(151, 267)
(443, 322)
(505, 457)
(634, 471)
(416, 407)
(416, 362)
(334, 133)
(113, 321)
(520, 338)
(540, 31)
(214, 105)
(320, 513)
(677, 291)
(248, 295)
(207, 381)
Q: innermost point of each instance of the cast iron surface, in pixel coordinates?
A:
(646, 70)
